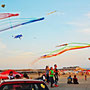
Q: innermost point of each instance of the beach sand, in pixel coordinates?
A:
(83, 84)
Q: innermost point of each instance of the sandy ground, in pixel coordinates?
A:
(83, 85)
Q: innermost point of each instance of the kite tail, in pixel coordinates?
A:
(52, 12)
(73, 48)
(35, 61)
(67, 50)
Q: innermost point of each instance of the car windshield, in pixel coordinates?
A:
(25, 86)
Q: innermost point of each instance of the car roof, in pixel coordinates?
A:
(20, 80)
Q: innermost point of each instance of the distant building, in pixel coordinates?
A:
(70, 68)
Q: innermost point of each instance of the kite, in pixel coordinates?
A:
(7, 15)
(88, 58)
(3, 5)
(18, 36)
(12, 23)
(66, 47)
(63, 48)
(58, 12)
(52, 12)
(15, 22)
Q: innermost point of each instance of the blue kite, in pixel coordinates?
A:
(18, 36)
(17, 24)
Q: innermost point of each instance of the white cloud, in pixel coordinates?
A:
(88, 14)
(82, 26)
(87, 31)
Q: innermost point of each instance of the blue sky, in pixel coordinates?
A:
(71, 23)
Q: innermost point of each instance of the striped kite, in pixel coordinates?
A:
(63, 48)
(66, 47)
(7, 15)
(15, 22)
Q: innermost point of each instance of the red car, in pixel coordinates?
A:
(23, 84)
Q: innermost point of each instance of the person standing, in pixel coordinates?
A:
(56, 75)
(51, 73)
(85, 77)
(47, 73)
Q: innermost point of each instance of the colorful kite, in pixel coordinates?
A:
(7, 15)
(12, 23)
(63, 48)
(66, 47)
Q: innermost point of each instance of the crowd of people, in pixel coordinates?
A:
(51, 76)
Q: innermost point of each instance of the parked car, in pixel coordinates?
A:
(23, 84)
